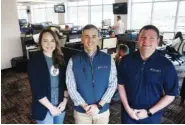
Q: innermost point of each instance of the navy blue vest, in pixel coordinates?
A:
(92, 79)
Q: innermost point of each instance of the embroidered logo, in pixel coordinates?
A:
(102, 67)
(155, 70)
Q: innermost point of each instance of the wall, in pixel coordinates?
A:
(124, 17)
(10, 34)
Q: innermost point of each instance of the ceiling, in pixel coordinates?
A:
(39, 1)
(43, 1)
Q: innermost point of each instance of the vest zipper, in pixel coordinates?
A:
(92, 72)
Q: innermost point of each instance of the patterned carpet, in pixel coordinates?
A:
(16, 103)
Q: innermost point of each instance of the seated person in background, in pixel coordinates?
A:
(121, 51)
(112, 34)
(179, 35)
(67, 28)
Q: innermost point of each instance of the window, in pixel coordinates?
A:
(82, 16)
(22, 13)
(84, 2)
(43, 13)
(181, 17)
(164, 15)
(141, 15)
(51, 15)
(96, 15)
(96, 2)
(72, 3)
(108, 1)
(141, 0)
(89, 11)
(72, 14)
(161, 13)
(39, 15)
(108, 14)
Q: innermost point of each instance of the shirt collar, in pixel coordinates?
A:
(152, 57)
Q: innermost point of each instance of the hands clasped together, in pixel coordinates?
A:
(55, 111)
(137, 114)
(91, 110)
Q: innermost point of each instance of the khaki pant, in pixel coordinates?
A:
(82, 118)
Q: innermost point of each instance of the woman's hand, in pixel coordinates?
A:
(54, 111)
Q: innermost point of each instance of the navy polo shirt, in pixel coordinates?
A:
(146, 82)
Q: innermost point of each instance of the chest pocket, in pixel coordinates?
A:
(154, 76)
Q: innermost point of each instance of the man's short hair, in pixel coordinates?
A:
(119, 17)
(150, 27)
(89, 26)
(111, 32)
(124, 48)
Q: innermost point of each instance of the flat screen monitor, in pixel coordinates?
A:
(107, 22)
(168, 35)
(62, 26)
(60, 8)
(109, 43)
(120, 8)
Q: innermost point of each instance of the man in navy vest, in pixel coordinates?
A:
(147, 80)
(91, 80)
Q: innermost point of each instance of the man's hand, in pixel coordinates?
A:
(141, 113)
(93, 110)
(133, 114)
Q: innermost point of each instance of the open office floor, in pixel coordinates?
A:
(16, 103)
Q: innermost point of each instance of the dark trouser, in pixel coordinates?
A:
(182, 94)
(155, 119)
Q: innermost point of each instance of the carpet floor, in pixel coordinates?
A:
(16, 103)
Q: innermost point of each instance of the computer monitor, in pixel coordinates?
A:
(109, 43)
(120, 8)
(168, 35)
(62, 26)
(60, 8)
(107, 22)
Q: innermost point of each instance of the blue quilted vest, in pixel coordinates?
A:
(92, 78)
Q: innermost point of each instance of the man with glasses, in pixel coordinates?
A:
(147, 80)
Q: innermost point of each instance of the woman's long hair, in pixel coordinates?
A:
(57, 55)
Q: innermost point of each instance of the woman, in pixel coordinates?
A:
(46, 72)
